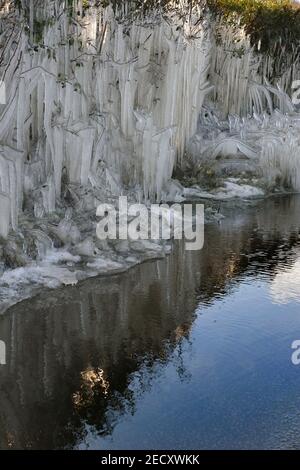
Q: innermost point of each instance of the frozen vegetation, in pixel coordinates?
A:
(165, 105)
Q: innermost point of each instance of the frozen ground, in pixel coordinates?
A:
(53, 253)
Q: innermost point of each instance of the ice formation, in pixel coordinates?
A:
(94, 91)
(246, 81)
(105, 102)
(264, 148)
(100, 103)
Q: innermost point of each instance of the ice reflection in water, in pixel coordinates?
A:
(285, 287)
(188, 352)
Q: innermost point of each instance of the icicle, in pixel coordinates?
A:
(4, 215)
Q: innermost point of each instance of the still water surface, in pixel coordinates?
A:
(189, 352)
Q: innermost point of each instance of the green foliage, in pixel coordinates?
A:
(272, 22)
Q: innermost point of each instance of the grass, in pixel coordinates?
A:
(273, 23)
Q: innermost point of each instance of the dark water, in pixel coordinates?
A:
(193, 351)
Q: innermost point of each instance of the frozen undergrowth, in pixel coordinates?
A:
(262, 150)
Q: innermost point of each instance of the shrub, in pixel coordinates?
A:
(272, 22)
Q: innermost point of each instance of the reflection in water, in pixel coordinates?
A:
(81, 360)
(286, 284)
